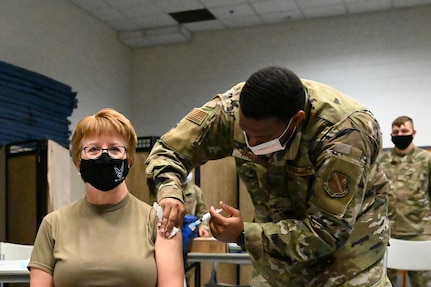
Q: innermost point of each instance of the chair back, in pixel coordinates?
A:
(14, 251)
(409, 255)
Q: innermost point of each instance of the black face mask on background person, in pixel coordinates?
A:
(402, 142)
(104, 173)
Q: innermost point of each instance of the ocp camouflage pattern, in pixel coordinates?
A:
(320, 205)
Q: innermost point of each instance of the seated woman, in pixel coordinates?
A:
(109, 237)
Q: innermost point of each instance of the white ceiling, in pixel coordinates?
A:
(143, 23)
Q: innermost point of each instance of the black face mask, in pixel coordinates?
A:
(402, 142)
(104, 173)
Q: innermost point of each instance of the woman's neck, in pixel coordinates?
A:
(95, 196)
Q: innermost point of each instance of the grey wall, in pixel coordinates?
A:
(56, 39)
(381, 59)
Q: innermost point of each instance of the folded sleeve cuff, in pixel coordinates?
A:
(253, 240)
(170, 191)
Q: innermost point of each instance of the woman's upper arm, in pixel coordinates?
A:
(40, 278)
(169, 261)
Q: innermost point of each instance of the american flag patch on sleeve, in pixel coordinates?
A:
(197, 116)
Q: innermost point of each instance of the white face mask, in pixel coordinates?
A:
(271, 146)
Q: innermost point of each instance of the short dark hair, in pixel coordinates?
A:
(272, 92)
(401, 120)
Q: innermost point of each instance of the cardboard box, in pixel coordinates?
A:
(207, 245)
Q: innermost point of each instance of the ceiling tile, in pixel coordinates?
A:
(139, 15)
(121, 3)
(205, 26)
(139, 9)
(90, 5)
(318, 3)
(407, 3)
(367, 6)
(178, 5)
(241, 21)
(233, 11)
(155, 21)
(274, 6)
(191, 16)
(281, 16)
(330, 10)
(219, 3)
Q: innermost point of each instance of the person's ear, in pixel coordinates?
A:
(298, 118)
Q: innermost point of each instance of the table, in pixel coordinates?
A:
(232, 258)
(14, 271)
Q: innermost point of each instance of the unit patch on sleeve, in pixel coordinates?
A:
(337, 185)
(197, 116)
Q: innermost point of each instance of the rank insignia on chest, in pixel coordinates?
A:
(336, 186)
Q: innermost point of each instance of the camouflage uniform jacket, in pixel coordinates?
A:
(320, 205)
(409, 193)
(194, 203)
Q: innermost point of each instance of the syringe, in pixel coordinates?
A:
(204, 217)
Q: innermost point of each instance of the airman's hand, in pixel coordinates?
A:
(226, 229)
(173, 215)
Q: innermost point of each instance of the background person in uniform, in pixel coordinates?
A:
(109, 237)
(307, 156)
(408, 169)
(195, 205)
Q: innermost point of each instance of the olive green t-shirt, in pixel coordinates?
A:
(98, 245)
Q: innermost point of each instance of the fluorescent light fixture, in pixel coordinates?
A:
(157, 36)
